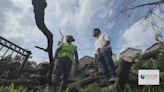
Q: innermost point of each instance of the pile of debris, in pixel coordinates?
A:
(88, 75)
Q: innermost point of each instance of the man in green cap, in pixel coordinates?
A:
(65, 55)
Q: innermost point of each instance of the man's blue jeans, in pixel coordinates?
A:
(104, 57)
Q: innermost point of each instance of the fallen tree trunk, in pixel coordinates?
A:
(85, 82)
(149, 54)
(18, 82)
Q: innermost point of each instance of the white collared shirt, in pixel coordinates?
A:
(100, 41)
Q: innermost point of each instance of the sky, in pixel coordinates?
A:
(79, 17)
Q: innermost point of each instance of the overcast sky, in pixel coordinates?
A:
(78, 17)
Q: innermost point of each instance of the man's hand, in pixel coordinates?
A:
(103, 48)
(95, 59)
(106, 44)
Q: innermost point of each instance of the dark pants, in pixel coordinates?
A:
(104, 57)
(63, 66)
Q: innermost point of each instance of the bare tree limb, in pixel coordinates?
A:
(150, 12)
(142, 5)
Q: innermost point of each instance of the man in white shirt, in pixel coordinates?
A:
(104, 53)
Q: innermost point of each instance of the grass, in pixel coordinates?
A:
(129, 88)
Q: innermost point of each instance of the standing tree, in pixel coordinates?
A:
(39, 7)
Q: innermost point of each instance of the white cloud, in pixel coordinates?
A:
(87, 9)
(142, 34)
(20, 28)
(136, 34)
(73, 16)
(79, 13)
(64, 6)
(78, 16)
(106, 14)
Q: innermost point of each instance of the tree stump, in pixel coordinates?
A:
(123, 74)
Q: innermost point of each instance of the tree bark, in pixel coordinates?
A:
(39, 7)
(86, 81)
(123, 74)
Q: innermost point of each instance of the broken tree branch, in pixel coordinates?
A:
(142, 5)
(40, 48)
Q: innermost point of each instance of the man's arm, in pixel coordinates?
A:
(76, 57)
(57, 52)
(95, 60)
(107, 40)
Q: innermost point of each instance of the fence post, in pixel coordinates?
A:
(24, 62)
